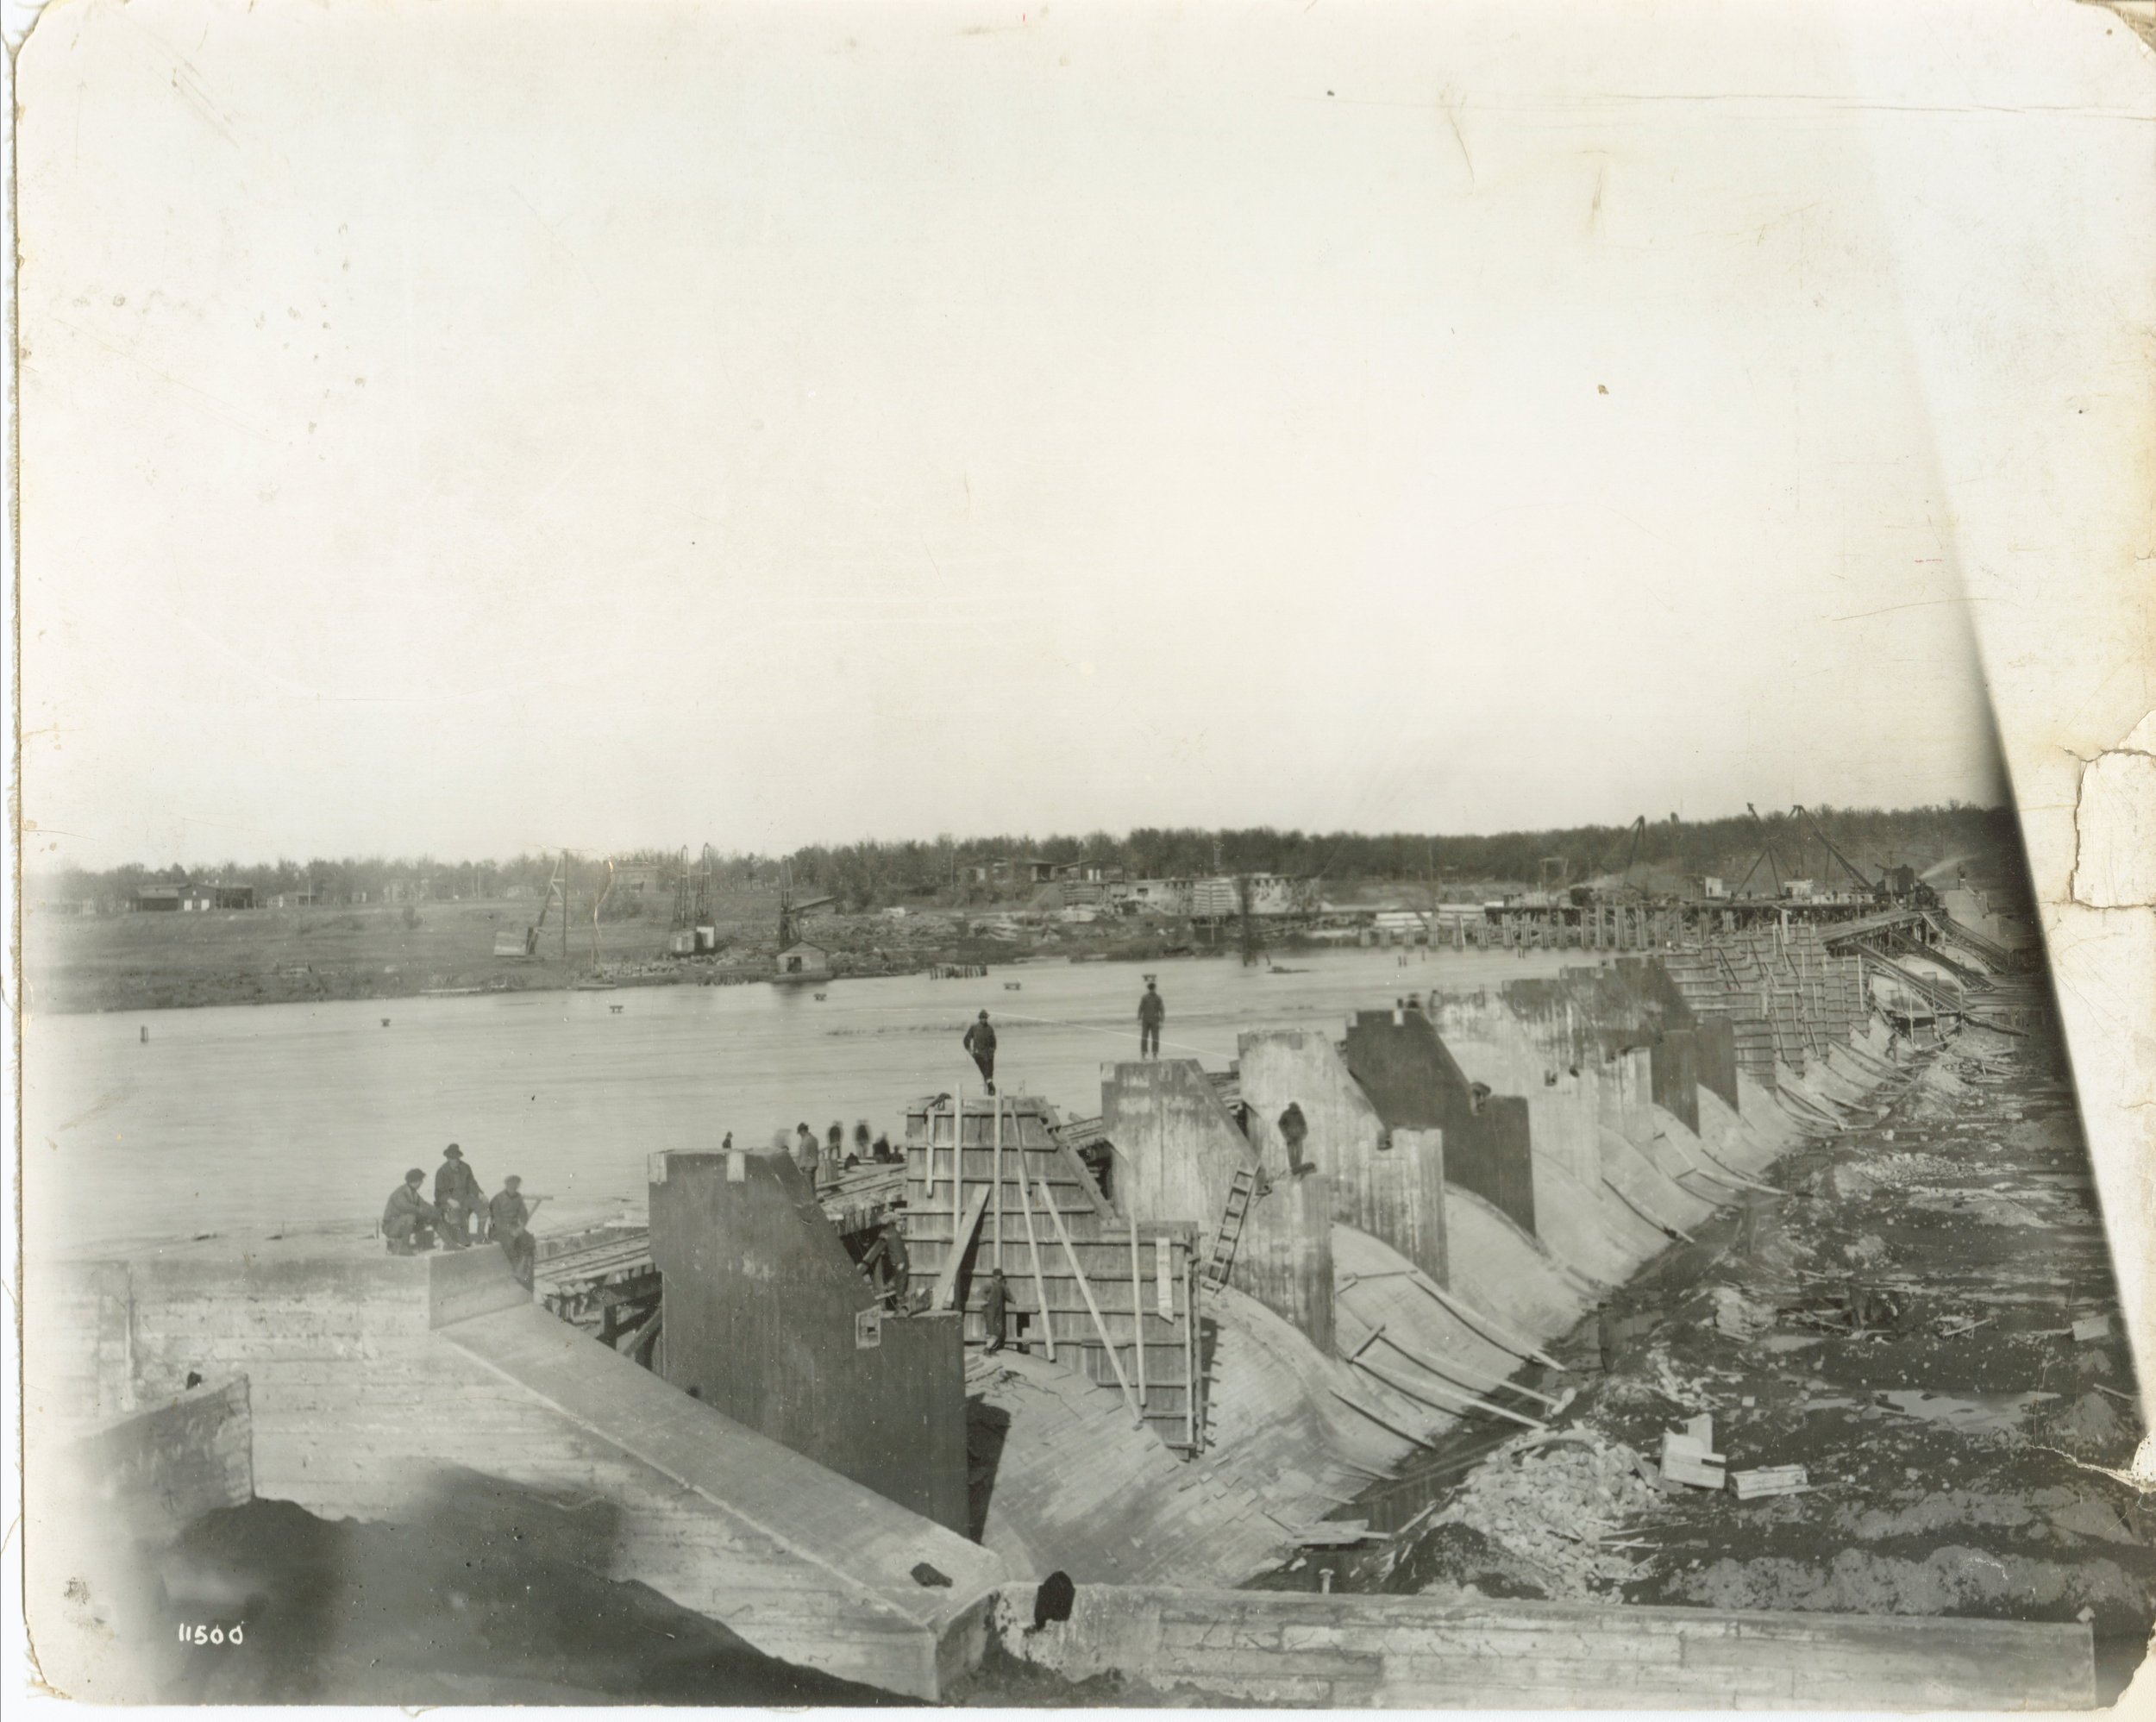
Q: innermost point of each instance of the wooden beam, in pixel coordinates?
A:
(1445, 1371)
(1093, 1309)
(1354, 1404)
(1488, 1326)
(1138, 1310)
(1190, 1348)
(1033, 1249)
(1460, 1402)
(957, 1156)
(947, 1280)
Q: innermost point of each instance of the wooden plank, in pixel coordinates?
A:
(1190, 1356)
(1459, 1401)
(1093, 1309)
(1768, 1479)
(1490, 1328)
(946, 1293)
(1138, 1307)
(1033, 1249)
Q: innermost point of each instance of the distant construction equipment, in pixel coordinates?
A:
(526, 944)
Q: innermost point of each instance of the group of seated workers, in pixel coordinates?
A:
(461, 1214)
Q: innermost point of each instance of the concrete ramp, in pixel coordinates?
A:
(801, 1562)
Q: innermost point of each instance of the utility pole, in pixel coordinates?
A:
(565, 908)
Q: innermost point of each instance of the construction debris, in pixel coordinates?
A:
(1558, 1506)
(1688, 1456)
(1768, 1479)
(1740, 1316)
(1336, 1534)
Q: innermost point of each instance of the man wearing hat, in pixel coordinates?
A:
(981, 1042)
(409, 1220)
(1152, 1012)
(509, 1223)
(457, 1195)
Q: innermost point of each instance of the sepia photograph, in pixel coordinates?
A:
(1253, 856)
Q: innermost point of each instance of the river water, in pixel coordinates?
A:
(247, 1121)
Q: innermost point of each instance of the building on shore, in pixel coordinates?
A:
(192, 898)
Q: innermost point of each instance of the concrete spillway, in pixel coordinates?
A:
(1431, 1199)
(379, 1382)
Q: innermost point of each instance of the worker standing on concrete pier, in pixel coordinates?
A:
(981, 1042)
(458, 1197)
(1152, 1012)
(805, 1152)
(409, 1218)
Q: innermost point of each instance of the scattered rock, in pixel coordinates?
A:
(1553, 1507)
(1868, 1251)
(2091, 1424)
(1736, 1314)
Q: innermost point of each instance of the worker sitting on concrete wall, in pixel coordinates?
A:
(508, 1218)
(457, 1196)
(408, 1220)
(1152, 1012)
(981, 1042)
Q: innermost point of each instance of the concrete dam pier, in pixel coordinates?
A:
(1156, 1350)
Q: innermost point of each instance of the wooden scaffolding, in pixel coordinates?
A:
(1089, 1287)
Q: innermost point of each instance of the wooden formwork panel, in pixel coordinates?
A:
(1120, 1304)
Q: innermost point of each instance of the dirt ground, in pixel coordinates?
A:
(1901, 1325)
(490, 1599)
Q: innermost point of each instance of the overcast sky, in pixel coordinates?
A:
(463, 429)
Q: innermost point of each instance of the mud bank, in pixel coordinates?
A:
(1926, 1322)
(491, 1600)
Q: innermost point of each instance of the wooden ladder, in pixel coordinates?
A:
(1240, 1188)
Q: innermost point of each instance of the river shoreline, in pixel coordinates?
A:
(78, 967)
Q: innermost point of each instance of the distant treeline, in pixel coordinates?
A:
(870, 874)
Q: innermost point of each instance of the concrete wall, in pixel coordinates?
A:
(164, 1466)
(1676, 1074)
(363, 1408)
(760, 1308)
(1389, 1183)
(1715, 1040)
(1395, 1652)
(1413, 1080)
(1177, 1152)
